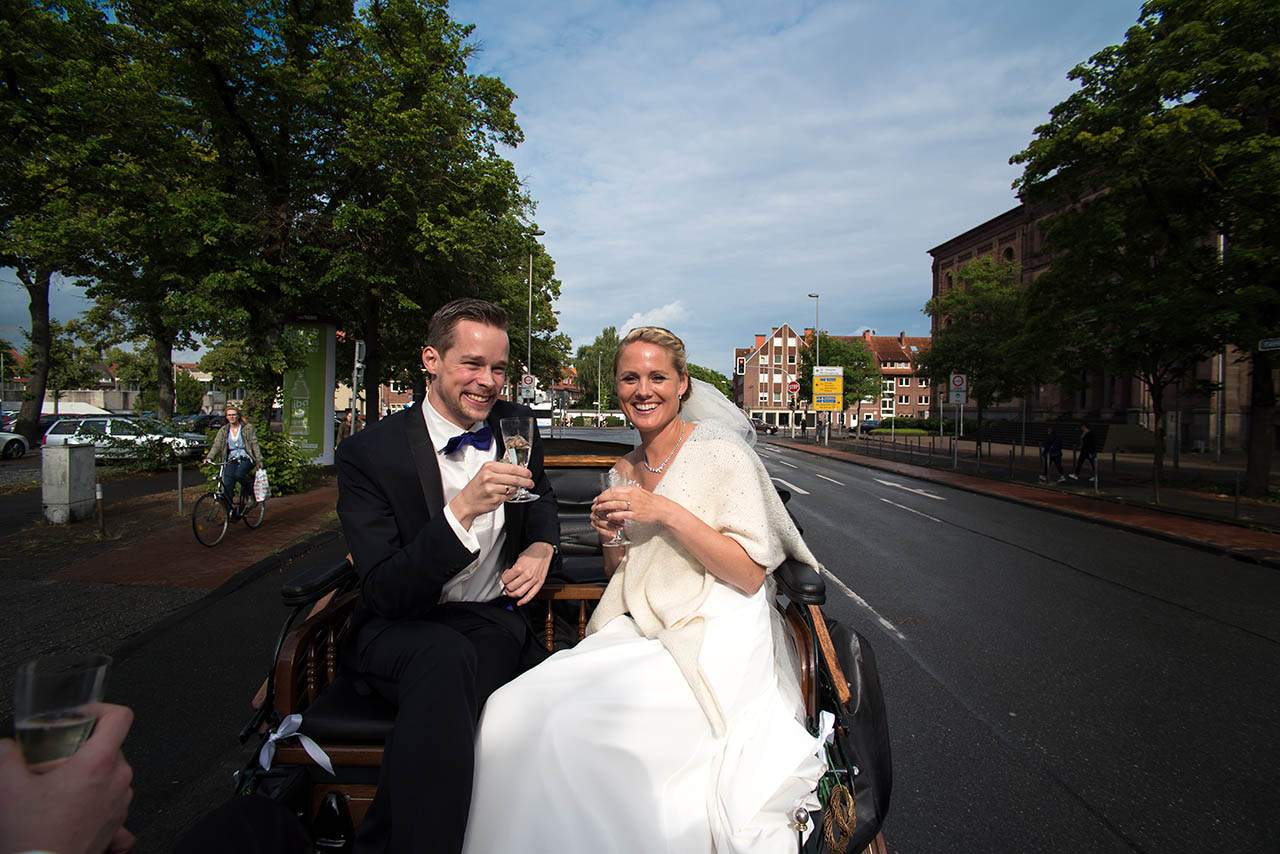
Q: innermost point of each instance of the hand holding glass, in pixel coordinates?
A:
(54, 701)
(517, 438)
(609, 480)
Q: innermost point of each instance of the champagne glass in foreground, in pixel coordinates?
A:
(54, 701)
(608, 480)
(517, 437)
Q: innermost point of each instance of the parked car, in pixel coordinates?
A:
(105, 432)
(12, 445)
(200, 422)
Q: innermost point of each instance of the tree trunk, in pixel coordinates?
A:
(1262, 413)
(38, 370)
(162, 349)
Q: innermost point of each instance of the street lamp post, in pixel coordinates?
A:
(817, 359)
(528, 362)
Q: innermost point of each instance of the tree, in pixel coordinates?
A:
(58, 107)
(980, 326)
(715, 378)
(861, 374)
(1170, 144)
(188, 393)
(594, 364)
(72, 364)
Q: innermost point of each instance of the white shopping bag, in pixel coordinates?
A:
(261, 489)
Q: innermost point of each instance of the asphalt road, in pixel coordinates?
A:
(1053, 685)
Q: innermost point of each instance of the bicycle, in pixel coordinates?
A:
(216, 510)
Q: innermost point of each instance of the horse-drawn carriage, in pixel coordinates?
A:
(307, 695)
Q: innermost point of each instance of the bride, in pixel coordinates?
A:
(675, 725)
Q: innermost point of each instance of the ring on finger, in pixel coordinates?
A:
(628, 506)
(506, 490)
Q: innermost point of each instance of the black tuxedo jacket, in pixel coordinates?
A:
(391, 505)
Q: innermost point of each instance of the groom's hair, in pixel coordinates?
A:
(664, 338)
(444, 322)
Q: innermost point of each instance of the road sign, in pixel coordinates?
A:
(528, 380)
(793, 386)
(959, 382)
(828, 402)
(1269, 344)
(958, 398)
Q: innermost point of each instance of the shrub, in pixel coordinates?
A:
(289, 469)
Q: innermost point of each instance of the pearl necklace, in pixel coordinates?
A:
(644, 459)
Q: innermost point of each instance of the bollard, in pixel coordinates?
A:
(102, 521)
(179, 487)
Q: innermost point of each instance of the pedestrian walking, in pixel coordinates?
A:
(1051, 452)
(1088, 451)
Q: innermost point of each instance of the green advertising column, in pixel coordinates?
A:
(308, 394)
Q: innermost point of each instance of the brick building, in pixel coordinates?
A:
(902, 393)
(763, 371)
(1197, 420)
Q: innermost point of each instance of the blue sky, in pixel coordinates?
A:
(705, 165)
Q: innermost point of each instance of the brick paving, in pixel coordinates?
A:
(173, 557)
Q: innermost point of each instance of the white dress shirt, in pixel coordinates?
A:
(481, 580)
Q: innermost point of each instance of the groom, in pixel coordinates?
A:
(444, 565)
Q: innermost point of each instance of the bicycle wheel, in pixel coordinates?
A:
(209, 520)
(253, 515)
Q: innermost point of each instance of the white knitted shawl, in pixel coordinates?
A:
(719, 479)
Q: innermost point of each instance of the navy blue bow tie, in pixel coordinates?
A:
(481, 438)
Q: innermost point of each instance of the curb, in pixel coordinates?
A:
(1260, 557)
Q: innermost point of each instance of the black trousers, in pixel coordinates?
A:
(437, 671)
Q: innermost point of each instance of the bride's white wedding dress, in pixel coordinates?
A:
(606, 747)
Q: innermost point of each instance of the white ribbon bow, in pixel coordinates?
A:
(288, 728)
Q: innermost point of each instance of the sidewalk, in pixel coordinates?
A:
(173, 558)
(1183, 517)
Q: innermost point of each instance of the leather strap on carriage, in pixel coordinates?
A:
(829, 653)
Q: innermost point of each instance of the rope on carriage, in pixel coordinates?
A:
(838, 818)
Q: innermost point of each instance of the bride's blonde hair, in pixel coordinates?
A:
(664, 338)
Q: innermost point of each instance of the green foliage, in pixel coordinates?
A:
(147, 455)
(715, 378)
(982, 320)
(9, 367)
(72, 364)
(1170, 142)
(862, 377)
(289, 469)
(188, 393)
(594, 364)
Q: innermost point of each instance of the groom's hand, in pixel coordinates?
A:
(527, 575)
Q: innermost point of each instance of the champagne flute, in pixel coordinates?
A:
(517, 438)
(53, 705)
(608, 480)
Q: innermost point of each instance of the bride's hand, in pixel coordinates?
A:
(627, 504)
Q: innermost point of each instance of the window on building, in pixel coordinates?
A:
(791, 358)
(777, 358)
(904, 399)
(924, 400)
(886, 405)
(868, 416)
(888, 384)
(777, 397)
(924, 383)
(904, 381)
(764, 397)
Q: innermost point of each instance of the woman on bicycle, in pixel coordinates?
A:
(237, 445)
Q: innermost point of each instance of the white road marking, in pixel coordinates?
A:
(909, 489)
(785, 463)
(863, 603)
(792, 486)
(910, 509)
(832, 479)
